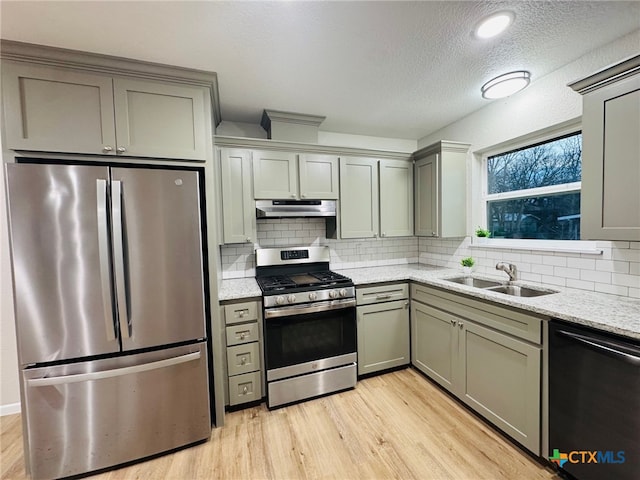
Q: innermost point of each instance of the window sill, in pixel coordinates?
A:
(559, 246)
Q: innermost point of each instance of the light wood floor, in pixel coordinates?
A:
(396, 425)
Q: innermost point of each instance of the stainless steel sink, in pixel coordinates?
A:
(518, 291)
(474, 282)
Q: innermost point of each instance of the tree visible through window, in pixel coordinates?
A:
(534, 192)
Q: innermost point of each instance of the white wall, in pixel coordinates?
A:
(546, 103)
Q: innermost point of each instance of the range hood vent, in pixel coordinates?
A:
(291, 127)
(295, 208)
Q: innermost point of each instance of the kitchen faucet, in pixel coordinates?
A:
(510, 270)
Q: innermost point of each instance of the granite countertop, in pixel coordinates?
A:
(605, 312)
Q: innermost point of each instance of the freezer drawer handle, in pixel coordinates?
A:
(607, 350)
(116, 372)
(103, 250)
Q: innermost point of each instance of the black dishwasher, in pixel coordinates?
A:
(594, 403)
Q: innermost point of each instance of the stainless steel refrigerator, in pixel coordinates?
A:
(110, 313)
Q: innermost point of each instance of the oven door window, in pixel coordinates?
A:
(305, 338)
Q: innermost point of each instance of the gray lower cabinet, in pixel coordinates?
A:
(244, 352)
(610, 198)
(238, 206)
(383, 327)
(55, 109)
(495, 373)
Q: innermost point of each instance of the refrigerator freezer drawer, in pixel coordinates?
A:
(86, 416)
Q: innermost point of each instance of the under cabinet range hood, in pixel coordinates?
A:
(295, 208)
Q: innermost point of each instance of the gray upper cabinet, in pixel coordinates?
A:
(70, 102)
(610, 198)
(318, 176)
(274, 175)
(396, 198)
(238, 206)
(440, 190)
(376, 198)
(359, 214)
(286, 175)
(58, 110)
(160, 120)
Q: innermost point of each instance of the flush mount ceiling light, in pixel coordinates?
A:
(506, 84)
(494, 24)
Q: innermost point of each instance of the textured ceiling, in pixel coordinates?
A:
(392, 69)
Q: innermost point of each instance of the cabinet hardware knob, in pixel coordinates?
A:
(293, 196)
(242, 336)
(248, 239)
(303, 196)
(245, 389)
(121, 149)
(375, 234)
(243, 360)
(107, 148)
(461, 324)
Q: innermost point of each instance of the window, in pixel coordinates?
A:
(533, 192)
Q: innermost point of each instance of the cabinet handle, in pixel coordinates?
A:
(453, 322)
(245, 389)
(303, 196)
(383, 297)
(248, 239)
(383, 234)
(243, 335)
(121, 149)
(375, 235)
(243, 361)
(107, 148)
(293, 196)
(461, 325)
(433, 234)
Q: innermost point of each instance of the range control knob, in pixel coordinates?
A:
(313, 296)
(280, 300)
(333, 294)
(291, 298)
(343, 292)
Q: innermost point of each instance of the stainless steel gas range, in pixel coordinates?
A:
(309, 324)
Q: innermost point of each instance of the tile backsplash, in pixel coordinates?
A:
(615, 271)
(239, 260)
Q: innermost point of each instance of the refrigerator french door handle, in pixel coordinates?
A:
(116, 372)
(118, 260)
(103, 252)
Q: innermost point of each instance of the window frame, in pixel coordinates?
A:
(536, 138)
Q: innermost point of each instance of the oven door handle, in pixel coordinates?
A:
(309, 308)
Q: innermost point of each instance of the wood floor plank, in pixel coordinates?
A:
(399, 425)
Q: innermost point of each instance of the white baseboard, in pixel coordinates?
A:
(9, 409)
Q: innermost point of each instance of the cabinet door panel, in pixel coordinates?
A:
(359, 197)
(610, 199)
(434, 343)
(238, 206)
(318, 177)
(274, 175)
(500, 378)
(160, 120)
(383, 336)
(57, 110)
(396, 198)
(426, 196)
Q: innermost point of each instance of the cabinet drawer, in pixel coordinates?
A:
(240, 312)
(245, 388)
(382, 293)
(243, 358)
(242, 333)
(527, 326)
